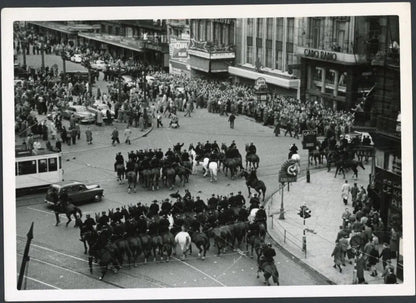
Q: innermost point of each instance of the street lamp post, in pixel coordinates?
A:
(63, 64)
(282, 208)
(42, 54)
(119, 83)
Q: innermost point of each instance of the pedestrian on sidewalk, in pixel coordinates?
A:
(385, 254)
(354, 194)
(114, 136)
(373, 260)
(74, 135)
(159, 120)
(127, 134)
(231, 119)
(88, 135)
(337, 254)
(345, 190)
(359, 266)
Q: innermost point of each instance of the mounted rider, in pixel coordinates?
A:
(215, 147)
(119, 160)
(130, 166)
(177, 148)
(251, 149)
(292, 150)
(267, 256)
(261, 216)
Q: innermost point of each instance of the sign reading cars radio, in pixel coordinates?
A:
(320, 54)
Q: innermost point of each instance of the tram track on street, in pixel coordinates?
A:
(61, 257)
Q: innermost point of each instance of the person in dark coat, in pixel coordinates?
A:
(373, 260)
(240, 200)
(213, 202)
(337, 254)
(89, 223)
(103, 220)
(200, 205)
(385, 254)
(153, 209)
(254, 202)
(360, 266)
(117, 216)
(243, 214)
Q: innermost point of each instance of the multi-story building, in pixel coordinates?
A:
(145, 40)
(212, 46)
(381, 116)
(266, 49)
(334, 67)
(179, 38)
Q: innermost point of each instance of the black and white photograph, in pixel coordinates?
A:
(207, 152)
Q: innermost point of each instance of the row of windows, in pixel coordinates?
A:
(37, 166)
(219, 33)
(268, 43)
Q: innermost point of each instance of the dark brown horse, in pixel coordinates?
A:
(69, 210)
(253, 182)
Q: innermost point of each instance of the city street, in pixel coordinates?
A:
(57, 258)
(215, 78)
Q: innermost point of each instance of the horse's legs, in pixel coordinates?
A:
(57, 218)
(249, 191)
(68, 215)
(90, 263)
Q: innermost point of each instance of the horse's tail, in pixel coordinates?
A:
(78, 210)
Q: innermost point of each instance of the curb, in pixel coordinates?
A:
(286, 252)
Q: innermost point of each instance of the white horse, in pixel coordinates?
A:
(192, 153)
(213, 169)
(205, 166)
(183, 239)
(296, 158)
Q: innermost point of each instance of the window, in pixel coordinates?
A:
(27, 167)
(269, 28)
(290, 29)
(259, 27)
(53, 164)
(279, 55)
(279, 29)
(208, 30)
(315, 32)
(42, 165)
(269, 53)
(250, 32)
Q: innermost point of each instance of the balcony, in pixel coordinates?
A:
(133, 43)
(208, 50)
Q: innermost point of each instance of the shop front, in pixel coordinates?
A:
(336, 79)
(209, 62)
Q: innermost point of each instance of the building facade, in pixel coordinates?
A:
(178, 31)
(212, 46)
(334, 67)
(266, 49)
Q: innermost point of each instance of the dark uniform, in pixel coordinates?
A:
(268, 254)
(254, 202)
(177, 148)
(261, 216)
(153, 228)
(153, 209)
(223, 203)
(159, 154)
(215, 147)
(243, 214)
(117, 216)
(251, 149)
(119, 160)
(240, 200)
(166, 207)
(200, 206)
(164, 225)
(189, 205)
(103, 220)
(89, 224)
(213, 202)
(141, 225)
(169, 153)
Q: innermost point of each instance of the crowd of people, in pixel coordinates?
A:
(360, 236)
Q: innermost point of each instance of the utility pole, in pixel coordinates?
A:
(26, 258)
(42, 54)
(282, 208)
(119, 83)
(63, 64)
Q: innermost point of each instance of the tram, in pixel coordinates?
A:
(37, 168)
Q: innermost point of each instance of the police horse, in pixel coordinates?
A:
(69, 210)
(253, 182)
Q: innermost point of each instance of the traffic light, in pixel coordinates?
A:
(304, 212)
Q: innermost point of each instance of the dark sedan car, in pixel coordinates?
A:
(78, 192)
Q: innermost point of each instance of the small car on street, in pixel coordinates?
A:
(99, 65)
(102, 107)
(78, 192)
(81, 113)
(77, 58)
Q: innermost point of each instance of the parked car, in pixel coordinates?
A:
(128, 80)
(359, 135)
(78, 192)
(99, 65)
(102, 107)
(81, 113)
(76, 58)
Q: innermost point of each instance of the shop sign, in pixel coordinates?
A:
(309, 139)
(178, 49)
(331, 56)
(289, 171)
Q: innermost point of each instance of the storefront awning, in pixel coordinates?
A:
(270, 78)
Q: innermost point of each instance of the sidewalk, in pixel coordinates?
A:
(323, 197)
